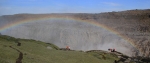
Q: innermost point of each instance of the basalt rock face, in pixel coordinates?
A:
(134, 24)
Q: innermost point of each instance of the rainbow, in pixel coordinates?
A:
(92, 22)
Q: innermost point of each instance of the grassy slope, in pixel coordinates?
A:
(37, 52)
(104, 57)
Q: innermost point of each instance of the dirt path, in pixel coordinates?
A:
(19, 59)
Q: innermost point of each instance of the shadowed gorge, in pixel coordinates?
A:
(84, 31)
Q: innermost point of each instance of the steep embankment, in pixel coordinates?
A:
(133, 24)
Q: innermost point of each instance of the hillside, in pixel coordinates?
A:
(85, 31)
(39, 52)
(32, 51)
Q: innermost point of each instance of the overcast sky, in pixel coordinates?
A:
(9, 7)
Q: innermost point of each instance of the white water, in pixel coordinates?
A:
(77, 35)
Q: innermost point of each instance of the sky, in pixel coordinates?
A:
(10, 7)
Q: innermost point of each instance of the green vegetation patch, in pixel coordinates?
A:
(103, 56)
(37, 52)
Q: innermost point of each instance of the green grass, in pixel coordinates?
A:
(104, 57)
(37, 52)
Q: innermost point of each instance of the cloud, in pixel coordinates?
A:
(111, 3)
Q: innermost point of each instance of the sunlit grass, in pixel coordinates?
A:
(37, 52)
